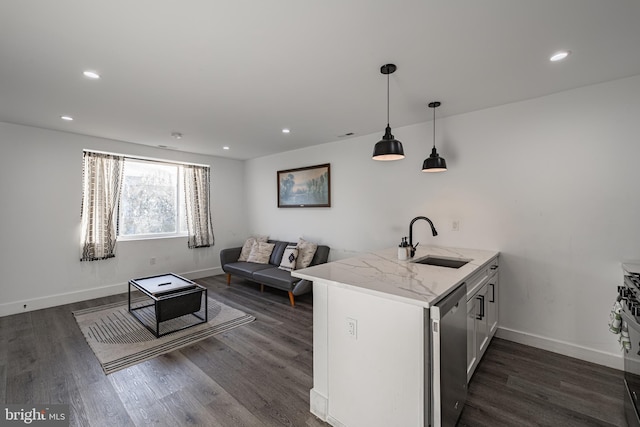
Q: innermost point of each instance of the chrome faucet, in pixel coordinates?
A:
(412, 248)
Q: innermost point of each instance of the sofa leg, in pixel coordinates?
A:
(261, 287)
(228, 279)
(291, 299)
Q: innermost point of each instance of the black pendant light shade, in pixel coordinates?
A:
(434, 163)
(388, 148)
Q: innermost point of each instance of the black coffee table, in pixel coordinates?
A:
(172, 297)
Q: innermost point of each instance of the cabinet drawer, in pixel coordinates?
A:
(481, 277)
(476, 282)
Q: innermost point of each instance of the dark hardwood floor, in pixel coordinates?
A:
(260, 374)
(518, 385)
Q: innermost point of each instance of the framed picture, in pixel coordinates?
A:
(308, 187)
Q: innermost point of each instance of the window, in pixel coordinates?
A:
(125, 198)
(151, 200)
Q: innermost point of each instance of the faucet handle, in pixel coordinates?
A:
(413, 250)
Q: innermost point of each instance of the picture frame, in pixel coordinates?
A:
(307, 187)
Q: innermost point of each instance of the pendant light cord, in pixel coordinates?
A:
(387, 100)
(434, 127)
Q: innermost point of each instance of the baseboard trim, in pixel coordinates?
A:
(333, 422)
(562, 347)
(199, 274)
(318, 404)
(31, 304)
(54, 300)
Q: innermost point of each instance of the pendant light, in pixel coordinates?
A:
(388, 148)
(434, 163)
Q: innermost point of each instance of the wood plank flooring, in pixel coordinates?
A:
(260, 374)
(518, 385)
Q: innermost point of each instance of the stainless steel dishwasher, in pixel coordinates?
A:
(448, 328)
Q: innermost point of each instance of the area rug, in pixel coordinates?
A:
(119, 340)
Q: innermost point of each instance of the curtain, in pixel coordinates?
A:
(198, 211)
(102, 180)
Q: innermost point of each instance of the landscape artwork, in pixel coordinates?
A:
(307, 187)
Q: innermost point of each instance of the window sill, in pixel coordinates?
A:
(150, 237)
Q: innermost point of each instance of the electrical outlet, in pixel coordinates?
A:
(455, 225)
(352, 328)
(152, 261)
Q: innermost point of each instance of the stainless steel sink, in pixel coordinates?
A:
(442, 261)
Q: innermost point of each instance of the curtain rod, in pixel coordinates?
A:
(148, 159)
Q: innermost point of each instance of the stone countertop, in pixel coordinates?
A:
(381, 273)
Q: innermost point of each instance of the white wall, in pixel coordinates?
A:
(41, 192)
(552, 183)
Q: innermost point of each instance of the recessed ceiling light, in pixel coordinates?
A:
(176, 135)
(559, 56)
(285, 130)
(225, 148)
(67, 118)
(91, 74)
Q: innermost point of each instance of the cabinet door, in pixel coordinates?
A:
(492, 304)
(482, 323)
(482, 318)
(472, 348)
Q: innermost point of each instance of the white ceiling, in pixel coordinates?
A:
(235, 72)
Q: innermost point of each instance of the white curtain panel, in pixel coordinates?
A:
(102, 180)
(196, 187)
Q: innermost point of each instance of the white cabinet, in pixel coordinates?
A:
(492, 300)
(477, 329)
(482, 329)
(472, 349)
(482, 313)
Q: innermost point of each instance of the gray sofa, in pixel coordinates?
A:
(270, 274)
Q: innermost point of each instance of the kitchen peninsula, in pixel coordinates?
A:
(371, 331)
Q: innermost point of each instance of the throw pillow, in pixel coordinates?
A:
(261, 252)
(306, 251)
(248, 244)
(289, 258)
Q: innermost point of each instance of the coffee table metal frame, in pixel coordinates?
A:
(171, 304)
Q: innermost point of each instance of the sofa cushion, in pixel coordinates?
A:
(321, 256)
(261, 252)
(248, 244)
(278, 250)
(306, 251)
(245, 269)
(289, 258)
(276, 278)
